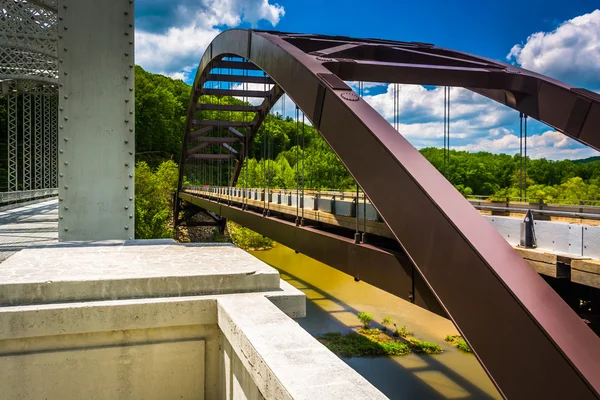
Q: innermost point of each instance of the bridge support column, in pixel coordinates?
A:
(96, 119)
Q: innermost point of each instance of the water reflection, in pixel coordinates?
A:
(334, 299)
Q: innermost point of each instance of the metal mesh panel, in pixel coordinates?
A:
(39, 140)
(27, 111)
(12, 142)
(54, 141)
(47, 142)
(28, 41)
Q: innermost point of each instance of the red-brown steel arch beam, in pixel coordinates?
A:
(485, 286)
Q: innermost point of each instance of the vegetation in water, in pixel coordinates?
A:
(374, 342)
(360, 345)
(387, 321)
(247, 239)
(421, 346)
(365, 319)
(459, 342)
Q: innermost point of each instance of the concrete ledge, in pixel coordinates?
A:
(121, 315)
(123, 270)
(283, 360)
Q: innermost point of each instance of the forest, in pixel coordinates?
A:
(284, 148)
(161, 105)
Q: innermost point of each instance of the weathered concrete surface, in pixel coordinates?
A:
(28, 225)
(284, 361)
(122, 270)
(168, 341)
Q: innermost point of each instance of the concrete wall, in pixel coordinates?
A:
(133, 333)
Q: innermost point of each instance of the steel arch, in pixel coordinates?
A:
(485, 286)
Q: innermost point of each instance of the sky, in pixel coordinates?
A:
(560, 39)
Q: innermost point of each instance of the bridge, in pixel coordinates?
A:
(449, 253)
(420, 239)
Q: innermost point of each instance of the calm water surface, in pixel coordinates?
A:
(334, 299)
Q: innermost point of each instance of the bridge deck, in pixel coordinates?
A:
(30, 225)
(548, 261)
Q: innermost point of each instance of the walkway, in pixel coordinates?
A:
(30, 225)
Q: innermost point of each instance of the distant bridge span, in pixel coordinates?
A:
(486, 288)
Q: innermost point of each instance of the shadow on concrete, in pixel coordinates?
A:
(386, 373)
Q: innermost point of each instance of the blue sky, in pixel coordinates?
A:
(557, 38)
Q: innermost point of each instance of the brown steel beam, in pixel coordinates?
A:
(486, 287)
(230, 149)
(200, 132)
(236, 65)
(235, 92)
(228, 107)
(373, 265)
(211, 156)
(212, 123)
(239, 78)
(224, 139)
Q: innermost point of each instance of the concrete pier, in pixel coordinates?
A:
(157, 320)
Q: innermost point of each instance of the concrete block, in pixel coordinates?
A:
(283, 359)
(169, 370)
(122, 272)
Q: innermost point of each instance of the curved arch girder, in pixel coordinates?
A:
(485, 286)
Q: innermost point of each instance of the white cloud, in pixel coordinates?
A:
(570, 53)
(549, 144)
(175, 42)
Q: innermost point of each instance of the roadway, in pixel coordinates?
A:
(29, 225)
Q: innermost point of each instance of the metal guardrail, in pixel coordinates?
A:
(574, 239)
(539, 208)
(26, 195)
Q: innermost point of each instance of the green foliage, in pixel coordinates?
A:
(402, 331)
(387, 321)
(357, 345)
(421, 346)
(160, 110)
(462, 345)
(153, 199)
(459, 342)
(365, 318)
(247, 239)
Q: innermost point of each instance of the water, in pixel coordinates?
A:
(334, 299)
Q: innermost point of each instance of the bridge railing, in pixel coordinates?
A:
(327, 201)
(26, 195)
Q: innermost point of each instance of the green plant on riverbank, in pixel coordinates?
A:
(387, 321)
(459, 342)
(359, 345)
(374, 342)
(247, 239)
(421, 346)
(365, 319)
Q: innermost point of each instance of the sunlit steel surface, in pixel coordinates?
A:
(485, 286)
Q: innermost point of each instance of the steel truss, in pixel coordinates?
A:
(28, 41)
(27, 148)
(12, 142)
(486, 288)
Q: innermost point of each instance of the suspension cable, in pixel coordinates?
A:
(525, 160)
(521, 156)
(247, 144)
(303, 153)
(264, 156)
(297, 175)
(357, 235)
